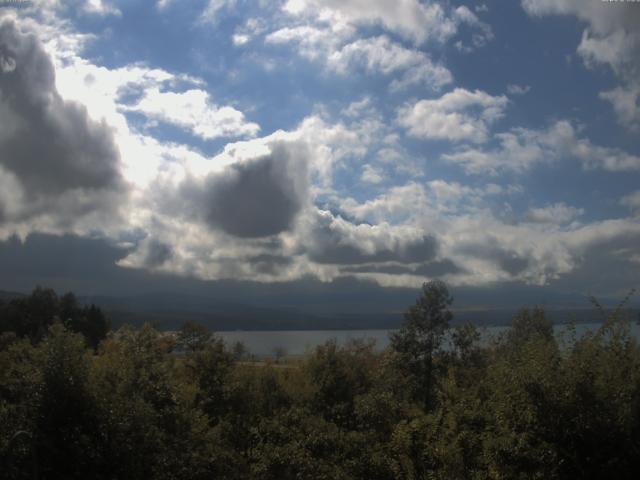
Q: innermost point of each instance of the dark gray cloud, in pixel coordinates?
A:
(433, 269)
(43, 258)
(269, 264)
(88, 267)
(157, 253)
(609, 267)
(507, 260)
(254, 198)
(330, 244)
(48, 146)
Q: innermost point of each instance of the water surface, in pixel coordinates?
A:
(301, 342)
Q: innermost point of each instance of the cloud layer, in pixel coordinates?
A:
(328, 140)
(56, 164)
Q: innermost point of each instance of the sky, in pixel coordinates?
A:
(356, 146)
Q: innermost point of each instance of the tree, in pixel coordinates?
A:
(529, 325)
(420, 338)
(193, 336)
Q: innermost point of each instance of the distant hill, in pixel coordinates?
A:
(5, 296)
(168, 311)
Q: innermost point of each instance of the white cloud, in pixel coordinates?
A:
(632, 201)
(397, 205)
(245, 33)
(240, 39)
(547, 247)
(626, 104)
(460, 115)
(371, 174)
(518, 89)
(213, 8)
(612, 38)
(381, 55)
(520, 149)
(558, 213)
(407, 233)
(409, 18)
(100, 8)
(313, 42)
(482, 33)
(194, 111)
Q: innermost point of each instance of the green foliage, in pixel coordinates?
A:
(338, 375)
(420, 339)
(437, 404)
(193, 337)
(32, 316)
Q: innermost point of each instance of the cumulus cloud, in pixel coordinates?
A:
(156, 252)
(381, 55)
(518, 89)
(194, 111)
(520, 149)
(505, 259)
(56, 161)
(325, 31)
(459, 115)
(632, 201)
(276, 208)
(101, 8)
(412, 19)
(430, 269)
(377, 55)
(213, 8)
(612, 39)
(371, 174)
(313, 42)
(558, 213)
(482, 33)
(334, 240)
(625, 101)
(256, 197)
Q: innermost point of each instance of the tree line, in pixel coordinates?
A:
(80, 401)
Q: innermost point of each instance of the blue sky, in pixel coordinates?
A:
(491, 144)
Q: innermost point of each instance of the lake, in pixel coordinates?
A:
(301, 342)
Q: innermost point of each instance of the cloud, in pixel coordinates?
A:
(213, 8)
(279, 208)
(371, 174)
(632, 201)
(194, 111)
(459, 115)
(520, 149)
(334, 240)
(431, 269)
(377, 55)
(626, 104)
(518, 89)
(613, 39)
(411, 19)
(482, 33)
(99, 7)
(313, 42)
(256, 197)
(558, 213)
(507, 260)
(397, 205)
(156, 253)
(381, 55)
(58, 163)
